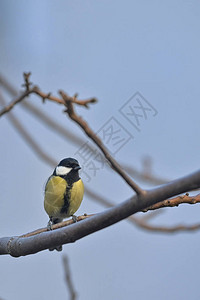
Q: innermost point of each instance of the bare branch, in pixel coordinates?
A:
(13, 103)
(71, 113)
(27, 84)
(60, 101)
(56, 226)
(175, 202)
(140, 222)
(44, 96)
(68, 278)
(83, 102)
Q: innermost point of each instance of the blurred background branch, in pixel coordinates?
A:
(68, 278)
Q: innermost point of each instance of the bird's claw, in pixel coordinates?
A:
(49, 225)
(74, 218)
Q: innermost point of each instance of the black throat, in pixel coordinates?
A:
(71, 177)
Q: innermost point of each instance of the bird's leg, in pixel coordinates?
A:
(74, 218)
(49, 224)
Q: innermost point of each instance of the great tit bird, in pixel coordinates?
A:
(63, 192)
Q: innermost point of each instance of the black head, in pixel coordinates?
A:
(69, 163)
(68, 168)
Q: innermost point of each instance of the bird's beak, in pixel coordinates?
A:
(77, 168)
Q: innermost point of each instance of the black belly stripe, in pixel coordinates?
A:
(67, 196)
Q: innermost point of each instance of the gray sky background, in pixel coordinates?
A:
(110, 50)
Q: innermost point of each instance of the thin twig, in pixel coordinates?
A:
(27, 84)
(83, 102)
(68, 278)
(44, 96)
(56, 226)
(175, 202)
(13, 103)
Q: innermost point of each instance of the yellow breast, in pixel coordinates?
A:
(76, 198)
(55, 191)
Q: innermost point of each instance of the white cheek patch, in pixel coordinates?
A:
(60, 170)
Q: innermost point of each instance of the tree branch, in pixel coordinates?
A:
(20, 246)
(13, 103)
(71, 113)
(36, 90)
(140, 222)
(56, 226)
(175, 202)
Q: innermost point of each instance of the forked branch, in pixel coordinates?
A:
(72, 114)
